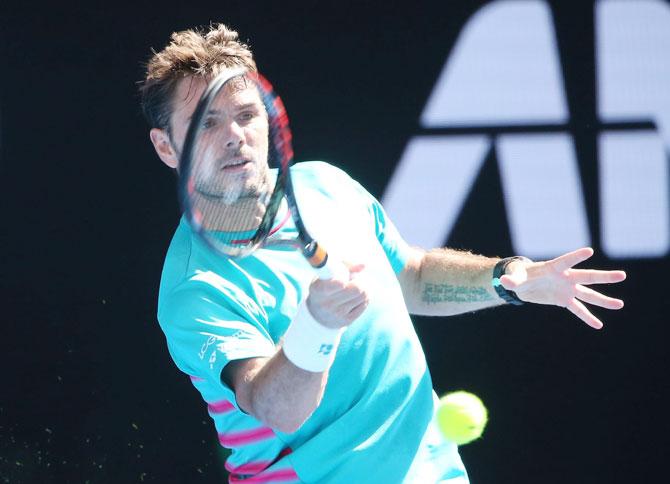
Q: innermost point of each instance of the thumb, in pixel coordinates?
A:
(355, 268)
(511, 282)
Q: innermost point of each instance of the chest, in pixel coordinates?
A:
(279, 278)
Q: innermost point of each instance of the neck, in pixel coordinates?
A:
(242, 215)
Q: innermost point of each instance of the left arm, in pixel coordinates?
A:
(445, 282)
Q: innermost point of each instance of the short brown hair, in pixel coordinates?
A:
(194, 52)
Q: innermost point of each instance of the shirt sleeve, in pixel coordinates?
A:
(396, 249)
(204, 334)
(338, 185)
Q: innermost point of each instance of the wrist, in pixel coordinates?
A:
(500, 270)
(308, 344)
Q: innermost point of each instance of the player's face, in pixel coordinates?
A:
(230, 162)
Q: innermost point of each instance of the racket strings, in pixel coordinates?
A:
(231, 198)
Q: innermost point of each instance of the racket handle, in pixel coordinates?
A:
(332, 269)
(326, 267)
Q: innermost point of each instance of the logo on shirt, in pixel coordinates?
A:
(203, 349)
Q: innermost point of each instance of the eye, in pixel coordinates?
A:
(209, 123)
(247, 115)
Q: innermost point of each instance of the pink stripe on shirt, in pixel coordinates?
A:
(281, 475)
(245, 437)
(222, 406)
(249, 468)
(255, 467)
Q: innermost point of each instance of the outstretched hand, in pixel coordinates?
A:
(556, 282)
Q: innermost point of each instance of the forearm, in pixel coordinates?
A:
(285, 389)
(280, 394)
(445, 282)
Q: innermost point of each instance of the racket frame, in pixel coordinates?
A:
(280, 154)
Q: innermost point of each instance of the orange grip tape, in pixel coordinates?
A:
(318, 258)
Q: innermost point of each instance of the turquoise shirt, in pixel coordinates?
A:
(376, 412)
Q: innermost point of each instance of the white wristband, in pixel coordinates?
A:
(308, 344)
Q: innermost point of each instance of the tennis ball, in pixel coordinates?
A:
(461, 417)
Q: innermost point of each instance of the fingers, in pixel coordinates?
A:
(592, 276)
(579, 310)
(337, 302)
(351, 295)
(337, 291)
(357, 310)
(597, 299)
(566, 261)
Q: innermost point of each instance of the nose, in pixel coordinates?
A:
(234, 136)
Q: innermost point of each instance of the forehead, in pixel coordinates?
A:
(236, 92)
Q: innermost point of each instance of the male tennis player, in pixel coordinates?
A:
(313, 380)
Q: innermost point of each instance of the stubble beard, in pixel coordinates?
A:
(245, 188)
(234, 188)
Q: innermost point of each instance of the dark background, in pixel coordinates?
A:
(89, 393)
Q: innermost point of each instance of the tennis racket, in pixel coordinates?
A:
(226, 191)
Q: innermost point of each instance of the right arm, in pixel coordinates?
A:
(275, 390)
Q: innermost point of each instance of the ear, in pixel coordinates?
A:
(163, 146)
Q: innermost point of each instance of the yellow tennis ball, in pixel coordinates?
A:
(461, 417)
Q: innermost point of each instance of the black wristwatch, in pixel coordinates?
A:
(498, 272)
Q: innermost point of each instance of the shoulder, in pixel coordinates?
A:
(327, 179)
(206, 297)
(178, 257)
(318, 172)
(188, 274)
(185, 296)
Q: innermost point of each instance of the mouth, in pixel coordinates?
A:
(236, 164)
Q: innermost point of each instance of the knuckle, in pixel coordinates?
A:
(358, 287)
(336, 284)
